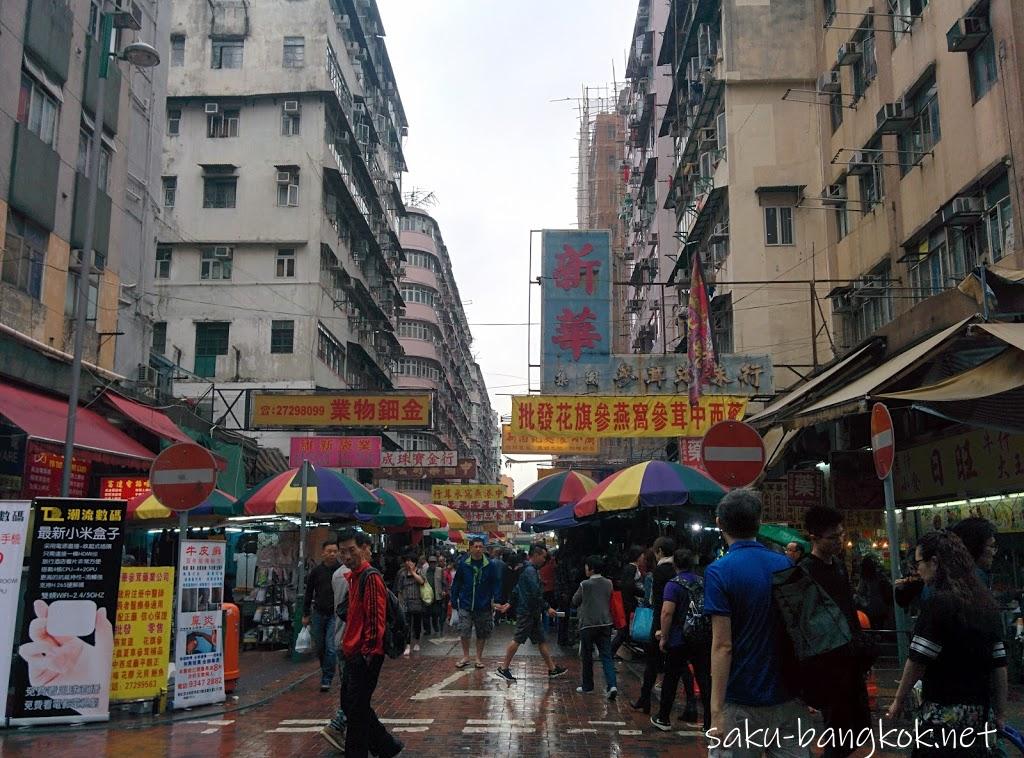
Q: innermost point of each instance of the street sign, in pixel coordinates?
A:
(883, 443)
(733, 453)
(183, 476)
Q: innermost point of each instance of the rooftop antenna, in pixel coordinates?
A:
(420, 198)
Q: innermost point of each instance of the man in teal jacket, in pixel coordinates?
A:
(475, 588)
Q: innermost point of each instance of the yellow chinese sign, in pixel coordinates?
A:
(142, 638)
(973, 464)
(610, 416)
(519, 442)
(338, 409)
(468, 493)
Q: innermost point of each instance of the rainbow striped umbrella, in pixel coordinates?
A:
(649, 485)
(400, 510)
(450, 515)
(146, 507)
(452, 535)
(553, 491)
(328, 492)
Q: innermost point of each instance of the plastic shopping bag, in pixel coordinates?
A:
(454, 620)
(304, 642)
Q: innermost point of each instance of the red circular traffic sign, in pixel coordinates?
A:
(883, 441)
(183, 476)
(733, 453)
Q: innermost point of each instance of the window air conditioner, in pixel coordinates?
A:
(343, 22)
(892, 118)
(835, 194)
(963, 211)
(284, 177)
(859, 164)
(849, 53)
(222, 251)
(353, 47)
(146, 375)
(830, 81)
(291, 106)
(127, 15)
(211, 108)
(967, 34)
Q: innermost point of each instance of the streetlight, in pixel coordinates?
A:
(138, 54)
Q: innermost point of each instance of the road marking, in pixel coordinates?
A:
(212, 722)
(689, 733)
(305, 722)
(498, 729)
(510, 722)
(438, 690)
(630, 732)
(293, 730)
(581, 731)
(444, 640)
(416, 722)
(410, 728)
(212, 730)
(607, 723)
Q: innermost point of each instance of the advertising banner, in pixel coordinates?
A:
(43, 470)
(142, 636)
(61, 672)
(13, 531)
(428, 458)
(336, 452)
(805, 488)
(12, 459)
(123, 487)
(526, 442)
(199, 643)
(609, 416)
(281, 410)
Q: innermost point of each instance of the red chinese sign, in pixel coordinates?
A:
(123, 487)
(336, 452)
(576, 331)
(571, 270)
(43, 471)
(804, 488)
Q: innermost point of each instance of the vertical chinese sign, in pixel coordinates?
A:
(13, 531)
(199, 639)
(142, 637)
(576, 292)
(61, 672)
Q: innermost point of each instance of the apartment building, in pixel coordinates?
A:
(49, 61)
(437, 354)
(281, 185)
(922, 130)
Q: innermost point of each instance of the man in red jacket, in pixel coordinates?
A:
(363, 649)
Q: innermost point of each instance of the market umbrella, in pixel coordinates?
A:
(452, 516)
(399, 510)
(649, 485)
(782, 535)
(328, 492)
(560, 518)
(219, 503)
(452, 535)
(553, 491)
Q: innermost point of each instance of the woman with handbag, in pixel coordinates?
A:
(957, 650)
(407, 587)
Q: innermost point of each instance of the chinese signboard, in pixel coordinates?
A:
(199, 640)
(13, 531)
(522, 442)
(1007, 513)
(689, 452)
(429, 458)
(338, 452)
(12, 459)
(43, 471)
(773, 502)
(805, 488)
(61, 672)
(142, 637)
(279, 410)
(123, 487)
(464, 469)
(605, 416)
(486, 501)
(976, 463)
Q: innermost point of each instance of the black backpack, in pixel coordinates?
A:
(396, 629)
(696, 625)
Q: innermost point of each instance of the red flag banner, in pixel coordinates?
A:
(699, 348)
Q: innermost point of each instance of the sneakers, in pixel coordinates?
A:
(325, 685)
(408, 650)
(659, 724)
(582, 691)
(334, 737)
(612, 693)
(416, 648)
(557, 671)
(504, 674)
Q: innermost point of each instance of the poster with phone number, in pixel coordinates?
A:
(199, 638)
(13, 532)
(142, 637)
(65, 648)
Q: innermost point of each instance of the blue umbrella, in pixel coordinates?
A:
(559, 518)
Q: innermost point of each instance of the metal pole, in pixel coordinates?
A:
(894, 567)
(300, 575)
(814, 331)
(984, 291)
(85, 261)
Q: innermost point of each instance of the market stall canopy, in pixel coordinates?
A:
(559, 518)
(783, 535)
(44, 418)
(553, 491)
(1003, 373)
(451, 535)
(402, 511)
(151, 419)
(452, 516)
(146, 507)
(328, 492)
(649, 485)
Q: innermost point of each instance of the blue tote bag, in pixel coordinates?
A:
(643, 624)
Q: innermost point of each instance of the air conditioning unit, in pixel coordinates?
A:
(127, 15)
(284, 177)
(860, 163)
(830, 81)
(719, 233)
(646, 59)
(707, 136)
(146, 375)
(291, 106)
(835, 195)
(359, 107)
(966, 34)
(849, 53)
(893, 118)
(222, 251)
(353, 47)
(343, 22)
(211, 108)
(963, 211)
(843, 303)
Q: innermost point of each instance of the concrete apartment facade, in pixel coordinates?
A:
(50, 60)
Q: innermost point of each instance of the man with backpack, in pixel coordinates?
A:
(685, 638)
(370, 619)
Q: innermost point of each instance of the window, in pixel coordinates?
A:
(284, 267)
(173, 122)
(982, 62)
(420, 260)
(159, 338)
(294, 52)
(219, 191)
(216, 262)
(329, 350)
(966, 248)
(412, 293)
(211, 341)
(721, 324)
(92, 293)
(84, 150)
(24, 254)
(222, 124)
(778, 225)
(842, 222)
(93, 28)
(871, 306)
(290, 123)
(1000, 219)
(421, 368)
(835, 110)
(177, 50)
(163, 263)
(418, 330)
(170, 184)
(905, 13)
(866, 69)
(282, 336)
(872, 183)
(417, 441)
(38, 110)
(288, 187)
(227, 53)
(924, 132)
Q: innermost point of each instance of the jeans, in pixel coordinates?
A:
(602, 637)
(322, 629)
(677, 660)
(365, 733)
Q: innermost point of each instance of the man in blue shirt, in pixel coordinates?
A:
(746, 675)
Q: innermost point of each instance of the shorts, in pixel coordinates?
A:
(529, 627)
(483, 620)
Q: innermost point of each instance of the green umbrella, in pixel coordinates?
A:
(783, 535)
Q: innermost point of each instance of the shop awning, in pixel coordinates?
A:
(1003, 373)
(776, 441)
(43, 417)
(1011, 334)
(148, 418)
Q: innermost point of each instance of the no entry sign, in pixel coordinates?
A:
(733, 453)
(883, 442)
(183, 476)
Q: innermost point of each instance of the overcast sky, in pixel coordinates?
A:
(477, 78)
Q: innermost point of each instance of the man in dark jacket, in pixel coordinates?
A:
(664, 547)
(475, 589)
(318, 608)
